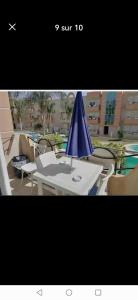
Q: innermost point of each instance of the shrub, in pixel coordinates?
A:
(97, 143)
(38, 126)
(55, 139)
(120, 134)
(117, 148)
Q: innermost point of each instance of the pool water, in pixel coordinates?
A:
(35, 136)
(65, 146)
(134, 147)
(130, 162)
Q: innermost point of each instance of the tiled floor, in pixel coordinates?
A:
(25, 188)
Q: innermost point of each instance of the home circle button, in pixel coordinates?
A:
(69, 292)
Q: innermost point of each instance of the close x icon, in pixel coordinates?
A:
(12, 26)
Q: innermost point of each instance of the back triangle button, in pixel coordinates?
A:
(40, 292)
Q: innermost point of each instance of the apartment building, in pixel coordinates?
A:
(130, 114)
(104, 112)
(109, 111)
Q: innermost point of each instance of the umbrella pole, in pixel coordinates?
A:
(71, 162)
(34, 151)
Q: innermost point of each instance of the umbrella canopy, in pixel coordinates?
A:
(79, 141)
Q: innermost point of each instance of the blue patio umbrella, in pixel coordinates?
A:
(79, 141)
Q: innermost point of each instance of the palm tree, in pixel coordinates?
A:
(12, 97)
(68, 110)
(43, 110)
(30, 103)
(19, 111)
(63, 97)
(50, 111)
(41, 98)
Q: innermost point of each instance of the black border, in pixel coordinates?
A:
(37, 57)
(68, 240)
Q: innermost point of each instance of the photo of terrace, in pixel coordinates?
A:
(68, 143)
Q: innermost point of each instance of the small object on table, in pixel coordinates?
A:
(77, 178)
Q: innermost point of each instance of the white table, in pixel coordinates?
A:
(59, 176)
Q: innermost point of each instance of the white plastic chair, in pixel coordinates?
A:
(42, 161)
(103, 157)
(29, 168)
(104, 180)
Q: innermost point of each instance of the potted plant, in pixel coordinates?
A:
(120, 134)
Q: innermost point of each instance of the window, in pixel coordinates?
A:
(132, 115)
(133, 100)
(94, 103)
(110, 108)
(93, 116)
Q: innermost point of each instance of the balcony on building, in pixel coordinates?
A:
(132, 106)
(132, 103)
(131, 121)
(93, 120)
(93, 105)
(91, 96)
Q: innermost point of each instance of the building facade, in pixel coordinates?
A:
(130, 114)
(104, 112)
(107, 112)
(110, 111)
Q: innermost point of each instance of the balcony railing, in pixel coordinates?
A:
(131, 106)
(93, 121)
(7, 143)
(115, 157)
(93, 108)
(112, 154)
(131, 121)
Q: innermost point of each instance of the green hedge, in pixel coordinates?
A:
(54, 139)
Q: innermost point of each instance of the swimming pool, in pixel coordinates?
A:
(131, 147)
(130, 162)
(35, 136)
(135, 147)
(64, 146)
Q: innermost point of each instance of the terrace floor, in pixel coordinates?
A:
(25, 188)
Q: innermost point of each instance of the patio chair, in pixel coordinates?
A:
(100, 188)
(59, 151)
(103, 156)
(42, 161)
(29, 168)
(40, 147)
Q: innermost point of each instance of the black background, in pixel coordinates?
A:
(104, 56)
(68, 240)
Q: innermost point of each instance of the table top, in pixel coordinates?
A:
(61, 175)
